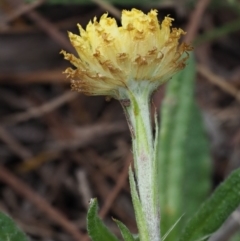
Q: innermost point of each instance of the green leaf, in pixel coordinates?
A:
(170, 230)
(197, 178)
(183, 159)
(126, 234)
(96, 228)
(213, 213)
(9, 231)
(136, 237)
(235, 237)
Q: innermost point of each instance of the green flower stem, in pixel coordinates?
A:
(135, 101)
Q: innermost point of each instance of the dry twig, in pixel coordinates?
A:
(108, 7)
(195, 20)
(219, 81)
(36, 112)
(43, 76)
(53, 214)
(20, 10)
(118, 187)
(44, 24)
(15, 146)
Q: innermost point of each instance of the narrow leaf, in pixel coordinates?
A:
(136, 237)
(213, 213)
(236, 237)
(126, 234)
(179, 152)
(170, 230)
(9, 231)
(96, 228)
(198, 158)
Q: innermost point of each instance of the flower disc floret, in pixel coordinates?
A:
(110, 57)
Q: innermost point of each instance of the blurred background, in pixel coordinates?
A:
(59, 148)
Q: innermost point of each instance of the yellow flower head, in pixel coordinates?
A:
(111, 57)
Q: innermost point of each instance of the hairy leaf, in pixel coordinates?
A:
(96, 228)
(213, 213)
(9, 230)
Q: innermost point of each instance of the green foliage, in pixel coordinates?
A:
(96, 228)
(197, 183)
(9, 231)
(236, 237)
(215, 210)
(127, 236)
(183, 153)
(99, 232)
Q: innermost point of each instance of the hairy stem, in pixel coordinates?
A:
(138, 115)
